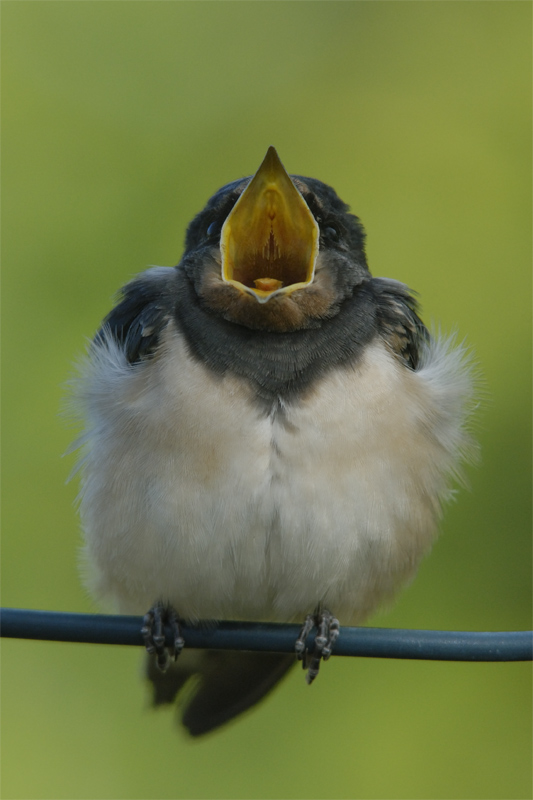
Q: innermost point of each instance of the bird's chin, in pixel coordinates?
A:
(294, 310)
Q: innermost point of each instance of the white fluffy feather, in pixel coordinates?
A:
(191, 495)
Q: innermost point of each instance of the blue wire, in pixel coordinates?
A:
(370, 642)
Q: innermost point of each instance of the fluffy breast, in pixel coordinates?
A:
(192, 494)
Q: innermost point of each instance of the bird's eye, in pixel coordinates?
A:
(213, 229)
(331, 233)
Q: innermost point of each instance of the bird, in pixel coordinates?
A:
(270, 433)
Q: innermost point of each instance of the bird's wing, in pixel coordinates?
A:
(138, 320)
(398, 320)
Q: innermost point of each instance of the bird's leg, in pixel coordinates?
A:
(153, 631)
(328, 630)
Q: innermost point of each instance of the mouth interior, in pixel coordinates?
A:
(268, 268)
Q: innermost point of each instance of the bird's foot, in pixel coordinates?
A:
(153, 631)
(328, 630)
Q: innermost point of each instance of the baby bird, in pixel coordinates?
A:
(270, 434)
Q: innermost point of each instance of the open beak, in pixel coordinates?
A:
(269, 241)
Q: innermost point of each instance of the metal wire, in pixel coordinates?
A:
(370, 642)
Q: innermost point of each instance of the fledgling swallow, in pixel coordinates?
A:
(270, 434)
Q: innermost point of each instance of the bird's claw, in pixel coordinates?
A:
(328, 630)
(153, 631)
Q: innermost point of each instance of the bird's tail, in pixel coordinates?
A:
(225, 684)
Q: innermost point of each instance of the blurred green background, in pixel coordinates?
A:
(119, 120)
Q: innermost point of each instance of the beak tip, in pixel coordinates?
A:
(271, 160)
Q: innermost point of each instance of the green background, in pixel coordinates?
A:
(120, 119)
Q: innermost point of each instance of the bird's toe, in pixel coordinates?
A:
(328, 630)
(153, 632)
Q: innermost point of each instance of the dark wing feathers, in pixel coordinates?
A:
(398, 320)
(146, 305)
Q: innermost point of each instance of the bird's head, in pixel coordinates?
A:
(275, 252)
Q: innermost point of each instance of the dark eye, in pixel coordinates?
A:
(213, 229)
(331, 233)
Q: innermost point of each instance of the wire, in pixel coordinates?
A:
(370, 642)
